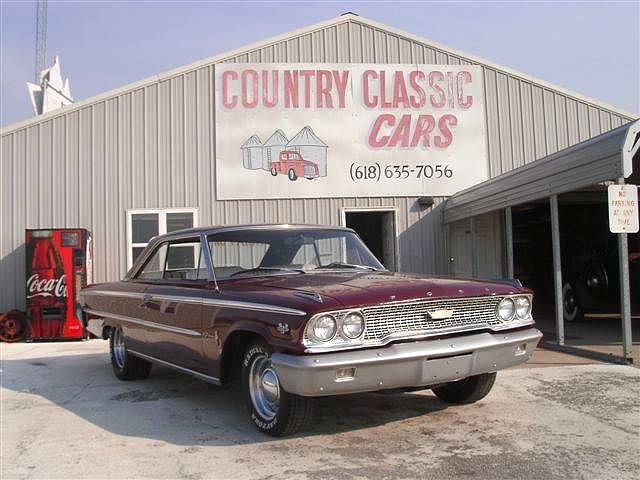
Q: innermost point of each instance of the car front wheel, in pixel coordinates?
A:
(292, 175)
(125, 365)
(273, 410)
(467, 390)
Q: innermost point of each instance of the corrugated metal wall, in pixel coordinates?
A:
(153, 146)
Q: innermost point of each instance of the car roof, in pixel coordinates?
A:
(230, 228)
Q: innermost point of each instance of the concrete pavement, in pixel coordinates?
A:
(64, 415)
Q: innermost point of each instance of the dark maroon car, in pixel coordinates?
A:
(296, 312)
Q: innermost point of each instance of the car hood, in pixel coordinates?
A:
(352, 289)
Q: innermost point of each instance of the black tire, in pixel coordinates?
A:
(292, 175)
(274, 172)
(467, 390)
(126, 366)
(571, 309)
(292, 411)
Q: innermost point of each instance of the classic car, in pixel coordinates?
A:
(291, 164)
(297, 312)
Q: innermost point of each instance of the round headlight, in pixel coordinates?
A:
(506, 309)
(523, 307)
(324, 328)
(353, 325)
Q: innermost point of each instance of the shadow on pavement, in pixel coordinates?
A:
(175, 408)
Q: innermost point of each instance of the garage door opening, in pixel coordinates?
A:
(590, 269)
(377, 228)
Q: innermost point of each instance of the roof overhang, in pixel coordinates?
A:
(607, 157)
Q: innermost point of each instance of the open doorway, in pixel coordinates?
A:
(377, 228)
(590, 270)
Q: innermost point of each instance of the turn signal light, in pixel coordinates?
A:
(520, 349)
(345, 374)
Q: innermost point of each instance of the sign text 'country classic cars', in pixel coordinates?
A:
(334, 130)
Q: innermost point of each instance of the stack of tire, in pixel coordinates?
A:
(13, 326)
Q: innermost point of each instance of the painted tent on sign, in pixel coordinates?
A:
(271, 149)
(309, 145)
(252, 153)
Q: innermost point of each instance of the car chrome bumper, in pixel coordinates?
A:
(422, 363)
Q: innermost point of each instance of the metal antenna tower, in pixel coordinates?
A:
(41, 38)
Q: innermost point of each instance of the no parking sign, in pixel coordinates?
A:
(623, 208)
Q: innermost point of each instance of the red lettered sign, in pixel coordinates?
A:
(335, 130)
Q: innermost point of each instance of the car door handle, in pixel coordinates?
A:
(146, 299)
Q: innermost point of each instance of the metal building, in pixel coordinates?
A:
(145, 154)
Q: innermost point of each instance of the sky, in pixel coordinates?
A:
(590, 48)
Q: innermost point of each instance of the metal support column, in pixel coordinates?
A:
(557, 267)
(474, 248)
(447, 247)
(625, 293)
(508, 227)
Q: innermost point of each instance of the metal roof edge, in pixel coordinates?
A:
(546, 159)
(607, 145)
(130, 87)
(345, 18)
(630, 148)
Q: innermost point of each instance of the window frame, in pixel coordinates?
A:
(135, 276)
(162, 225)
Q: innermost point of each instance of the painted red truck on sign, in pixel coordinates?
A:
(292, 165)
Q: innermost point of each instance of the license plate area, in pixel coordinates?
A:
(447, 369)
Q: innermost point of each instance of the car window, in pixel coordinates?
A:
(154, 267)
(287, 251)
(178, 260)
(230, 257)
(307, 257)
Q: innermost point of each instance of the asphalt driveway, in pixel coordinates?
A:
(64, 415)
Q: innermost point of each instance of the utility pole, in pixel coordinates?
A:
(41, 39)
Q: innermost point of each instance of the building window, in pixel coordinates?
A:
(144, 224)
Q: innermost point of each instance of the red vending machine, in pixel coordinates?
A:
(58, 266)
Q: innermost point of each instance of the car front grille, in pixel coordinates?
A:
(407, 318)
(309, 170)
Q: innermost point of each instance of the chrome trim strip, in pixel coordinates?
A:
(262, 307)
(174, 298)
(117, 293)
(201, 376)
(145, 323)
(417, 335)
(206, 248)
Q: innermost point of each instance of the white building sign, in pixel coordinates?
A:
(623, 208)
(342, 130)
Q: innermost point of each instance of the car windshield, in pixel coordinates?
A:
(252, 252)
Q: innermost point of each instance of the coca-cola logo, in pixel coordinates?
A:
(46, 287)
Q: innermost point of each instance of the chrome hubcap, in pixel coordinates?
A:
(569, 302)
(118, 348)
(264, 387)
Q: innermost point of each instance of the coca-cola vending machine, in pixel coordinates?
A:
(58, 266)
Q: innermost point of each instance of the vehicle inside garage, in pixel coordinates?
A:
(557, 214)
(590, 271)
